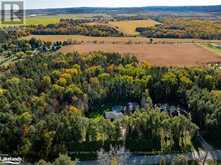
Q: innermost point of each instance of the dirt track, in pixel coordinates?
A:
(156, 54)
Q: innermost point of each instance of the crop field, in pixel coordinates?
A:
(129, 27)
(166, 52)
(156, 54)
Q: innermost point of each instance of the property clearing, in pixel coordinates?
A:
(185, 54)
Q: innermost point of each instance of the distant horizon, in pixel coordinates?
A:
(118, 7)
(48, 4)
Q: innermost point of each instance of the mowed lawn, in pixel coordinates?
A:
(184, 54)
(129, 27)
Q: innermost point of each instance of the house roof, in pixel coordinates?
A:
(113, 115)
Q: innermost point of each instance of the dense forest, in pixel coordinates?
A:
(184, 28)
(47, 100)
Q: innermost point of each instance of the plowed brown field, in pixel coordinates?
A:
(184, 54)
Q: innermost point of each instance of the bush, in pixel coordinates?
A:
(61, 160)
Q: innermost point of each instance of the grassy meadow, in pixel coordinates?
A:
(52, 19)
(45, 20)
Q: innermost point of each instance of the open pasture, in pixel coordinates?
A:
(42, 20)
(156, 54)
(53, 19)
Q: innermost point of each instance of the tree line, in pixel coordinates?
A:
(184, 28)
(76, 27)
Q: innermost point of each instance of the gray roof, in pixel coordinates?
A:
(113, 115)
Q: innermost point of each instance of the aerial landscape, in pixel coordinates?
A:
(128, 83)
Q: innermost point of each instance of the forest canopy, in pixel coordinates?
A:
(48, 99)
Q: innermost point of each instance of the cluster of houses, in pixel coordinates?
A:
(119, 111)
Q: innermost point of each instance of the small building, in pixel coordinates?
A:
(113, 115)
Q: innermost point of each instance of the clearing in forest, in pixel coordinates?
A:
(129, 27)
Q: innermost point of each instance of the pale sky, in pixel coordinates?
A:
(33, 4)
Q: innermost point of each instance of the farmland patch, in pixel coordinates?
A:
(156, 54)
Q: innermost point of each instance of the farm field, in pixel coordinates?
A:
(129, 27)
(155, 54)
(138, 40)
(53, 19)
(44, 20)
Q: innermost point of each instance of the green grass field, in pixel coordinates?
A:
(212, 48)
(45, 20)
(52, 19)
